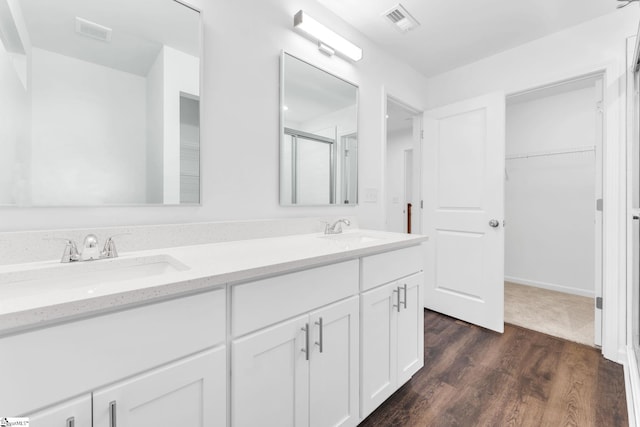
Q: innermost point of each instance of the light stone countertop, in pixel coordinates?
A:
(28, 301)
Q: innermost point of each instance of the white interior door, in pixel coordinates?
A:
(463, 193)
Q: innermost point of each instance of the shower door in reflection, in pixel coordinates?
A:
(309, 168)
(349, 168)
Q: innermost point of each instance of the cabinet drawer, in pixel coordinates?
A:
(52, 364)
(265, 302)
(386, 267)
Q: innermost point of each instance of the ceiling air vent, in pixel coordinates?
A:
(401, 18)
(93, 30)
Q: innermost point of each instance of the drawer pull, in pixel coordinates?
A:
(71, 422)
(305, 350)
(397, 291)
(112, 414)
(320, 341)
(404, 303)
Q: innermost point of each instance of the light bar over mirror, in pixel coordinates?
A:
(328, 40)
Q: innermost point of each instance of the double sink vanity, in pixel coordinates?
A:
(309, 329)
(270, 329)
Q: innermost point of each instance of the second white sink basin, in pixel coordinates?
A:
(84, 275)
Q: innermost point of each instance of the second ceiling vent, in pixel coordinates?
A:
(401, 19)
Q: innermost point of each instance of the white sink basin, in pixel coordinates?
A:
(85, 275)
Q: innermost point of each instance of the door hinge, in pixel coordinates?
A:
(421, 204)
(599, 303)
(422, 134)
(599, 205)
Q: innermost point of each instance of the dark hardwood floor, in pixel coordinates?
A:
(476, 377)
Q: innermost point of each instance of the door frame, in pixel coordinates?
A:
(599, 78)
(614, 213)
(417, 156)
(614, 178)
(409, 164)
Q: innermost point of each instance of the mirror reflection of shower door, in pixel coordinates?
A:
(349, 175)
(311, 167)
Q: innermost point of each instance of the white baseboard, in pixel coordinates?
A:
(632, 387)
(550, 286)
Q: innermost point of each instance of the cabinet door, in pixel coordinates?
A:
(72, 413)
(270, 376)
(379, 359)
(334, 365)
(190, 392)
(410, 328)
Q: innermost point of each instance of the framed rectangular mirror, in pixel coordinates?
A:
(100, 102)
(318, 138)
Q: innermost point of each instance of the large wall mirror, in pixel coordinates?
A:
(99, 102)
(319, 136)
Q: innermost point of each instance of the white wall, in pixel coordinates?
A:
(550, 200)
(155, 130)
(15, 133)
(241, 86)
(172, 73)
(88, 133)
(14, 140)
(181, 74)
(397, 143)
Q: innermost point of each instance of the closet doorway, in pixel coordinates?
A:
(553, 209)
(402, 177)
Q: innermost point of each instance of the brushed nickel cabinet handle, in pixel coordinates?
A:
(397, 291)
(404, 303)
(320, 342)
(112, 414)
(305, 350)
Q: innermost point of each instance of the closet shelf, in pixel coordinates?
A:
(552, 153)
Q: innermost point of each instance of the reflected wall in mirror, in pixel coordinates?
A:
(100, 102)
(319, 136)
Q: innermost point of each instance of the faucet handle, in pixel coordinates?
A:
(327, 226)
(109, 250)
(70, 253)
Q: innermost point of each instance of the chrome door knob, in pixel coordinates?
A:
(494, 223)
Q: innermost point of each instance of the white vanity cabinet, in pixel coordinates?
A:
(270, 377)
(72, 413)
(142, 358)
(319, 343)
(392, 326)
(301, 371)
(190, 392)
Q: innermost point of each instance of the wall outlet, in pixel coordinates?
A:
(371, 195)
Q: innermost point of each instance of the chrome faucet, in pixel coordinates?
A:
(90, 249)
(336, 227)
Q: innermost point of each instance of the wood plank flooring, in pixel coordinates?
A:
(476, 377)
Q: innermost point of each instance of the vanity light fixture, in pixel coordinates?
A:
(328, 41)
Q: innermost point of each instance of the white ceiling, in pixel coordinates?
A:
(140, 28)
(457, 32)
